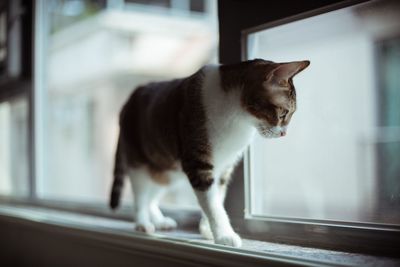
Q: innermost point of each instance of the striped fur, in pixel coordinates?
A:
(119, 174)
(197, 128)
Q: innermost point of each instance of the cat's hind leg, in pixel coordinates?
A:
(140, 182)
(147, 194)
(157, 191)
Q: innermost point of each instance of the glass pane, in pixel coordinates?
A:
(14, 147)
(340, 159)
(96, 56)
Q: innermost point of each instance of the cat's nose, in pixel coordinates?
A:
(283, 133)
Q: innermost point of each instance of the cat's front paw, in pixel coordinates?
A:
(205, 230)
(166, 223)
(147, 228)
(231, 239)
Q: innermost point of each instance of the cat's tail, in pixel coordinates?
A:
(119, 174)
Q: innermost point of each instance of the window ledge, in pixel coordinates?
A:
(185, 246)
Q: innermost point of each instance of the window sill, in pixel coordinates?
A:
(181, 245)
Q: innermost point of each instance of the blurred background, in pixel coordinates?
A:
(339, 161)
(94, 53)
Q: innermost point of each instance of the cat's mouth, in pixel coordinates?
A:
(270, 132)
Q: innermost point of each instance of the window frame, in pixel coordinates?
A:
(356, 237)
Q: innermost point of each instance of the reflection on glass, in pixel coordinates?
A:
(3, 37)
(96, 56)
(340, 159)
(14, 147)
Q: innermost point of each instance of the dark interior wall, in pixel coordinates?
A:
(238, 15)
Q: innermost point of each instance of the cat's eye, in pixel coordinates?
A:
(283, 115)
(283, 83)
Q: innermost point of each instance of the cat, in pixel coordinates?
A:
(197, 128)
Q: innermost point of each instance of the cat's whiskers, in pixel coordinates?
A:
(266, 132)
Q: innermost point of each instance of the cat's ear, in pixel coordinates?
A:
(285, 71)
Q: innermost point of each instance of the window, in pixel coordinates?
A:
(333, 181)
(339, 160)
(94, 56)
(14, 165)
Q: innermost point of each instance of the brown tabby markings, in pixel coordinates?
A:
(196, 153)
(226, 176)
(164, 123)
(159, 177)
(258, 98)
(119, 173)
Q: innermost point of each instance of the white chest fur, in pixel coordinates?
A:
(229, 127)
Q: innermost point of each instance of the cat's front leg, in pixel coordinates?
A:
(204, 226)
(210, 199)
(211, 202)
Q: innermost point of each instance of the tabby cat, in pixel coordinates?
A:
(197, 128)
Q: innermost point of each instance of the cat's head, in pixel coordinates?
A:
(269, 95)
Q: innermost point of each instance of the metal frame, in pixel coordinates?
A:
(37, 96)
(383, 239)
